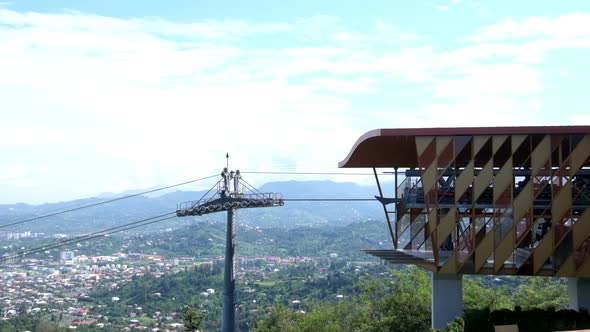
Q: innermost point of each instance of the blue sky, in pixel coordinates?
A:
(100, 96)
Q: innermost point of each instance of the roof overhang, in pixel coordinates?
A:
(396, 147)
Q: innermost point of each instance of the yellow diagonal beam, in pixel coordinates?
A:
(504, 250)
(484, 250)
(464, 180)
(542, 252)
(482, 181)
(503, 179)
(580, 154)
(581, 229)
(540, 155)
(446, 225)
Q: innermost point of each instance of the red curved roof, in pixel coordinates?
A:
(396, 147)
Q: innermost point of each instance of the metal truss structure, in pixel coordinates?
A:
(220, 203)
(506, 200)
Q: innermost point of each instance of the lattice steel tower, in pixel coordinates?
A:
(229, 197)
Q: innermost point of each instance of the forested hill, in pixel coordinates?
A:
(204, 239)
(293, 214)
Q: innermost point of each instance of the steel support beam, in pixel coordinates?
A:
(391, 233)
(579, 293)
(447, 299)
(230, 307)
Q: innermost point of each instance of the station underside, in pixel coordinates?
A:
(425, 260)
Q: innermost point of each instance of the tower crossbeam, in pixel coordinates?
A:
(229, 197)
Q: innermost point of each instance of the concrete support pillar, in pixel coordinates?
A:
(447, 299)
(579, 293)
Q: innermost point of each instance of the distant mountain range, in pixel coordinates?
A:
(293, 214)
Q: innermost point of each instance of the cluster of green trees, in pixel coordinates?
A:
(32, 322)
(382, 304)
(167, 294)
(402, 303)
(176, 291)
(534, 320)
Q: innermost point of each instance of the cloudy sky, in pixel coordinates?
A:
(107, 96)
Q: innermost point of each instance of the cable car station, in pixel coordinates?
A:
(487, 201)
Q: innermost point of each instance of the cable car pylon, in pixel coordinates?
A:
(229, 197)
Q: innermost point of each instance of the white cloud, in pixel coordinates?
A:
(511, 80)
(109, 104)
(580, 119)
(73, 21)
(445, 5)
(23, 183)
(565, 28)
(486, 111)
(527, 41)
(363, 85)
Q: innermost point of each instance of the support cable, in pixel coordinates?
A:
(77, 239)
(159, 218)
(306, 173)
(145, 222)
(103, 202)
(249, 186)
(329, 199)
(207, 193)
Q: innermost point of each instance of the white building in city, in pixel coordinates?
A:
(66, 257)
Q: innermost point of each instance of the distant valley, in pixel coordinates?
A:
(292, 215)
